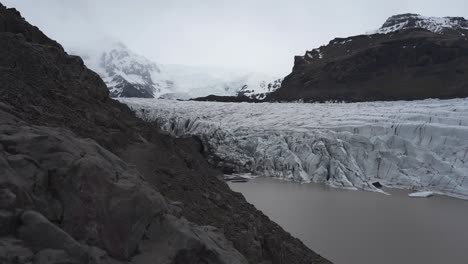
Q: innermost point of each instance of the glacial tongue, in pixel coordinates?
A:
(418, 145)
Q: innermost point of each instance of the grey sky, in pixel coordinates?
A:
(260, 35)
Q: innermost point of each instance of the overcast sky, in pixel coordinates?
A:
(262, 35)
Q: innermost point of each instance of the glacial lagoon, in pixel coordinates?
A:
(359, 227)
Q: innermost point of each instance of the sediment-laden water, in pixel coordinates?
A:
(355, 227)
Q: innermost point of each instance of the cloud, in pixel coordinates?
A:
(259, 35)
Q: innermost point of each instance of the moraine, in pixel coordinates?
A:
(418, 145)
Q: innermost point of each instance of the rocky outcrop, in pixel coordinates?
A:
(68, 193)
(82, 192)
(235, 99)
(204, 198)
(405, 60)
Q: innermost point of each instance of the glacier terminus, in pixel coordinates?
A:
(417, 145)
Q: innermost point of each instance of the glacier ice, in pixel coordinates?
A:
(418, 145)
(423, 194)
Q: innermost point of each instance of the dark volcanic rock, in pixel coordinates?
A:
(407, 63)
(76, 183)
(40, 234)
(184, 243)
(126, 89)
(234, 99)
(206, 199)
(67, 196)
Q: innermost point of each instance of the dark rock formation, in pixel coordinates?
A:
(82, 180)
(204, 198)
(417, 58)
(123, 88)
(234, 99)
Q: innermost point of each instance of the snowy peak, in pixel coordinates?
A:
(438, 25)
(260, 89)
(130, 75)
(126, 73)
(121, 59)
(201, 81)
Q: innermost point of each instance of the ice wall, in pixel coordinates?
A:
(420, 145)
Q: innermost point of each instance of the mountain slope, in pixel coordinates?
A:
(406, 63)
(74, 163)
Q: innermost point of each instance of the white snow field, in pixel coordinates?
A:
(418, 145)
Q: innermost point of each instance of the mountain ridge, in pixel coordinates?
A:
(441, 25)
(405, 64)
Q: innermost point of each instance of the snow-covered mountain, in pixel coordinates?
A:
(260, 89)
(198, 81)
(128, 74)
(434, 24)
(420, 145)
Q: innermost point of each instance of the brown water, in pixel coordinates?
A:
(351, 227)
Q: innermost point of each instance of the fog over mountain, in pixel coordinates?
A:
(260, 35)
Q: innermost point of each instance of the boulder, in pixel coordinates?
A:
(174, 240)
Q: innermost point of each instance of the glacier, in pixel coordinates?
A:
(416, 145)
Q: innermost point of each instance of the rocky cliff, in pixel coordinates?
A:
(410, 57)
(82, 180)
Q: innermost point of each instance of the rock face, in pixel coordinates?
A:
(421, 145)
(82, 192)
(68, 193)
(411, 57)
